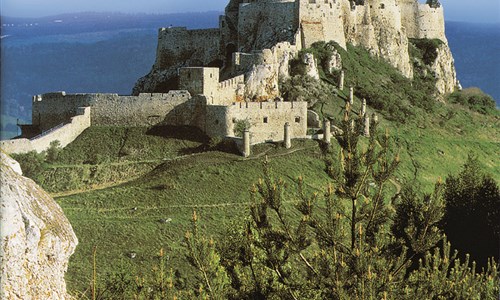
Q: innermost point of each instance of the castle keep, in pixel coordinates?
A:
(215, 78)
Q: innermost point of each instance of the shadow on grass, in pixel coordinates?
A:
(188, 133)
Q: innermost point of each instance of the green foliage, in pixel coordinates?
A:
(383, 86)
(474, 99)
(53, 151)
(32, 164)
(240, 126)
(305, 88)
(202, 255)
(443, 276)
(417, 220)
(425, 49)
(473, 212)
(340, 247)
(433, 3)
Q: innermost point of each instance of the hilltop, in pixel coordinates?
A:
(132, 168)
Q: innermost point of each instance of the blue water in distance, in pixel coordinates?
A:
(476, 49)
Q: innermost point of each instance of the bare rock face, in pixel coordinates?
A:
(311, 66)
(37, 239)
(444, 69)
(262, 83)
(335, 61)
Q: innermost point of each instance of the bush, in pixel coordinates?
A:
(427, 49)
(472, 219)
(474, 99)
(53, 151)
(240, 126)
(32, 164)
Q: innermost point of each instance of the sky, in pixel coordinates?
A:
(482, 11)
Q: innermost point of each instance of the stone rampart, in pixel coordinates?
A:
(431, 23)
(65, 134)
(172, 108)
(177, 45)
(51, 109)
(230, 91)
(422, 21)
(320, 20)
(263, 24)
(267, 119)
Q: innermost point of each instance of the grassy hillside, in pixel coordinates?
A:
(132, 190)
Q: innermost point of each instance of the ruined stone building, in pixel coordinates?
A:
(214, 78)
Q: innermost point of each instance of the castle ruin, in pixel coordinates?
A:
(214, 78)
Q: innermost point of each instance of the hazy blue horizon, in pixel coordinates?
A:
(478, 11)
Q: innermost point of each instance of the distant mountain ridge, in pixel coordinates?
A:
(28, 69)
(98, 21)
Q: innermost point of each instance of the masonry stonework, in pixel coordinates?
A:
(213, 78)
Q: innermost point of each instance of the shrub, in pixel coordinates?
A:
(32, 164)
(53, 151)
(240, 126)
(474, 99)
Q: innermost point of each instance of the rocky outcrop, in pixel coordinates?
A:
(37, 239)
(444, 70)
(334, 62)
(261, 83)
(383, 27)
(311, 66)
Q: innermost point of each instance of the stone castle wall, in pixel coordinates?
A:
(262, 24)
(174, 107)
(64, 134)
(199, 80)
(177, 45)
(321, 20)
(422, 21)
(229, 91)
(267, 119)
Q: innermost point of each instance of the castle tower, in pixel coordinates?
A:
(199, 80)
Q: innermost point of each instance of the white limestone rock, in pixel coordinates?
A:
(444, 70)
(261, 83)
(37, 239)
(311, 65)
(335, 61)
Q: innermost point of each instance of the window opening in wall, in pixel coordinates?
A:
(265, 120)
(331, 6)
(297, 119)
(216, 122)
(382, 5)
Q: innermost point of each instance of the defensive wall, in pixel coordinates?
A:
(174, 107)
(321, 20)
(205, 81)
(64, 133)
(422, 21)
(266, 119)
(274, 21)
(177, 45)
